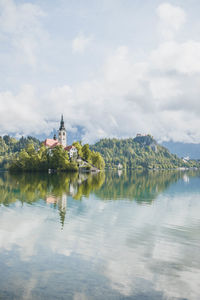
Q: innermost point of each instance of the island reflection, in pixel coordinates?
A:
(31, 187)
(117, 245)
(142, 187)
(54, 188)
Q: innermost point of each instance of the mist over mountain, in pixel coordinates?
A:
(183, 149)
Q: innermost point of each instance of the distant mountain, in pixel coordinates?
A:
(183, 149)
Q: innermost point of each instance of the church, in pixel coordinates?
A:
(61, 140)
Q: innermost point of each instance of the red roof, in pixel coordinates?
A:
(51, 143)
(68, 148)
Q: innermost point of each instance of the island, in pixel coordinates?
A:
(54, 154)
(29, 154)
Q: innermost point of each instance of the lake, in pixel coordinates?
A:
(114, 235)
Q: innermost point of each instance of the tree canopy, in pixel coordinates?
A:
(32, 159)
(142, 152)
(10, 146)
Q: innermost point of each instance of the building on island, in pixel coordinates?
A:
(71, 150)
(61, 141)
(62, 134)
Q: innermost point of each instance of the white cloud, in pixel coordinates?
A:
(178, 57)
(20, 28)
(149, 97)
(81, 43)
(22, 113)
(158, 94)
(129, 97)
(171, 19)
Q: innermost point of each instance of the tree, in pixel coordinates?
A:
(79, 148)
(86, 153)
(59, 158)
(97, 160)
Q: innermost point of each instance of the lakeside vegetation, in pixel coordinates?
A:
(10, 147)
(29, 154)
(42, 159)
(142, 152)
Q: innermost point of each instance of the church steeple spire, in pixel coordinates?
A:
(62, 135)
(62, 124)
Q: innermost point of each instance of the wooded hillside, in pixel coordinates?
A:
(140, 152)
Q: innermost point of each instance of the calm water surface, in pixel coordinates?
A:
(106, 236)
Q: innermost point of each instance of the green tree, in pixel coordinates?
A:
(59, 158)
(97, 160)
(86, 153)
(79, 148)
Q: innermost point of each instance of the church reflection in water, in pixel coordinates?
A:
(56, 189)
(61, 203)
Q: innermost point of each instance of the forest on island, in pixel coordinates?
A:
(29, 154)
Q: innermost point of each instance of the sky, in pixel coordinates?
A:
(114, 68)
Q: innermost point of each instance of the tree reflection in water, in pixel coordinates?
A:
(142, 187)
(55, 188)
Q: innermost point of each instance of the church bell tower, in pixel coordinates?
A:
(62, 135)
